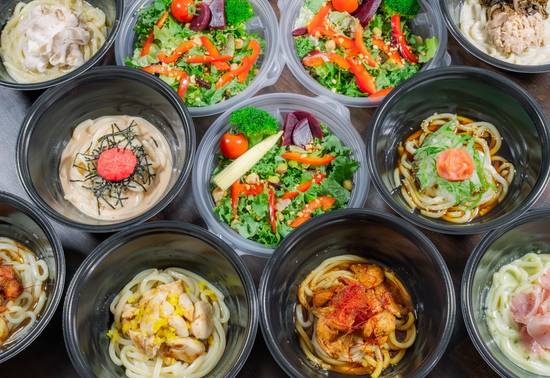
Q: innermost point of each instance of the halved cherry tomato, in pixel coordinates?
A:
(349, 6)
(233, 145)
(183, 10)
(455, 164)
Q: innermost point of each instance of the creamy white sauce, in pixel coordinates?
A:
(473, 23)
(511, 279)
(138, 199)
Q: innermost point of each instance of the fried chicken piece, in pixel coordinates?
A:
(10, 284)
(369, 275)
(381, 324)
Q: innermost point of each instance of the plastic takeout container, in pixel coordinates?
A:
(382, 238)
(428, 23)
(263, 24)
(478, 94)
(20, 221)
(529, 233)
(332, 114)
(114, 12)
(103, 91)
(160, 245)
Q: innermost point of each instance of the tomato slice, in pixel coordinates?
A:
(455, 164)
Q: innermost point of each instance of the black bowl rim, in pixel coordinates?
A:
(407, 229)
(95, 59)
(468, 229)
(119, 239)
(484, 57)
(59, 257)
(467, 282)
(121, 72)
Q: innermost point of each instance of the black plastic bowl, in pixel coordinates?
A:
(22, 223)
(383, 238)
(114, 12)
(481, 95)
(529, 233)
(108, 90)
(86, 315)
(450, 10)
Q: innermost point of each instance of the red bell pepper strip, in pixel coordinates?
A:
(245, 67)
(247, 189)
(272, 211)
(360, 45)
(164, 71)
(322, 202)
(319, 19)
(184, 84)
(392, 54)
(365, 81)
(178, 52)
(399, 39)
(304, 187)
(382, 92)
(207, 58)
(310, 160)
(318, 59)
(151, 37)
(213, 51)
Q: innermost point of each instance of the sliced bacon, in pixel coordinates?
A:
(524, 305)
(538, 327)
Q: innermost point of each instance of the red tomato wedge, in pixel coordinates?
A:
(455, 164)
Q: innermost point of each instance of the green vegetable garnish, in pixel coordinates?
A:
(406, 8)
(238, 11)
(255, 124)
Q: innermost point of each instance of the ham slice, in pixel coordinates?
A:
(544, 279)
(525, 305)
(538, 327)
(534, 347)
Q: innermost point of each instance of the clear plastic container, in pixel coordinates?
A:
(334, 115)
(264, 24)
(428, 23)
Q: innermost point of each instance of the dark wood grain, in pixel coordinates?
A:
(47, 356)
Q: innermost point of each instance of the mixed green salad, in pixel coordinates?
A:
(200, 48)
(270, 180)
(360, 48)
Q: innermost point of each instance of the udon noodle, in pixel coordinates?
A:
(462, 200)
(23, 280)
(354, 317)
(168, 323)
(518, 311)
(45, 39)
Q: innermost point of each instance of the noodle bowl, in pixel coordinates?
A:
(23, 280)
(354, 317)
(460, 200)
(155, 335)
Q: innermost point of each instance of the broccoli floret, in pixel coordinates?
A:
(304, 45)
(238, 11)
(255, 124)
(406, 8)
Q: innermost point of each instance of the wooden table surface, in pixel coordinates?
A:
(47, 357)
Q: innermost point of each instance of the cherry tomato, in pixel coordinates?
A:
(455, 164)
(233, 145)
(182, 10)
(349, 6)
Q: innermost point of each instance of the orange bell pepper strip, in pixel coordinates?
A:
(392, 54)
(246, 189)
(365, 81)
(151, 37)
(159, 69)
(178, 52)
(318, 59)
(242, 71)
(319, 19)
(213, 51)
(399, 39)
(304, 186)
(322, 202)
(272, 211)
(360, 45)
(207, 58)
(310, 160)
(382, 92)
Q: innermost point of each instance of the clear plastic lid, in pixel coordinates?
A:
(334, 115)
(428, 23)
(264, 24)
